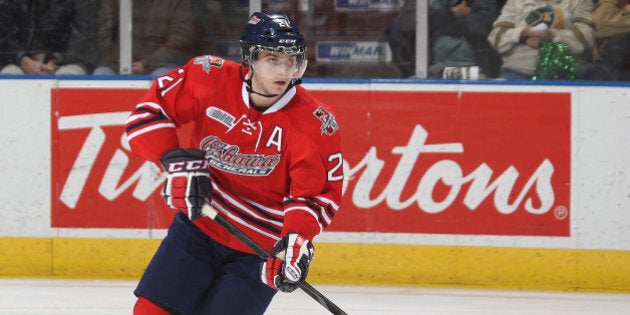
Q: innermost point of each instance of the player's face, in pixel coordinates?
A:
(274, 71)
(274, 65)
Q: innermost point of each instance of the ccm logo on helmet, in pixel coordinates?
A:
(187, 166)
(286, 41)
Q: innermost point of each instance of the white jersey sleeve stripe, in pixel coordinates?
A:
(149, 128)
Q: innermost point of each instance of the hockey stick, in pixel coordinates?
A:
(208, 211)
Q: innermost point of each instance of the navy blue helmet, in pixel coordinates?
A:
(273, 32)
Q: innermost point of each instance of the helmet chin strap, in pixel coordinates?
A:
(250, 90)
(249, 85)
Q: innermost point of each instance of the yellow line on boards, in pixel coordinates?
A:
(355, 264)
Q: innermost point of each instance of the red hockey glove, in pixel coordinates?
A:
(187, 186)
(284, 274)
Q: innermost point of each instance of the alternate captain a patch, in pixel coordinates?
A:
(208, 61)
(329, 123)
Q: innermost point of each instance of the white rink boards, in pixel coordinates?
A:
(43, 234)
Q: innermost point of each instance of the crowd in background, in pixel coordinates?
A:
(467, 39)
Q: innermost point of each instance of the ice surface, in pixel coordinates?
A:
(115, 297)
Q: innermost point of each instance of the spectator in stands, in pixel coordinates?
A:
(401, 36)
(524, 25)
(162, 36)
(457, 36)
(612, 21)
(47, 36)
(458, 31)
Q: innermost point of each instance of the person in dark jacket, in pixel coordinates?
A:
(458, 30)
(457, 36)
(47, 36)
(612, 21)
(162, 36)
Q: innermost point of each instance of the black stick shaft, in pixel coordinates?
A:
(213, 214)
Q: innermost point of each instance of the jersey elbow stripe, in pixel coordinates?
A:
(146, 117)
(315, 214)
(138, 116)
(329, 202)
(309, 211)
(148, 106)
(322, 212)
(327, 207)
(326, 218)
(143, 112)
(134, 133)
(148, 121)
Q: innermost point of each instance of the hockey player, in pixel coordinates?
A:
(263, 152)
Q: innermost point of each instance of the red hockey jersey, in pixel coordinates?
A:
(273, 172)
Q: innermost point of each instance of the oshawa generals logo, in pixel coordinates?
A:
(226, 157)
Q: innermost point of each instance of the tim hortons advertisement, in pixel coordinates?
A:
(477, 163)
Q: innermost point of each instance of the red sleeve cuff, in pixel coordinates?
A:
(301, 222)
